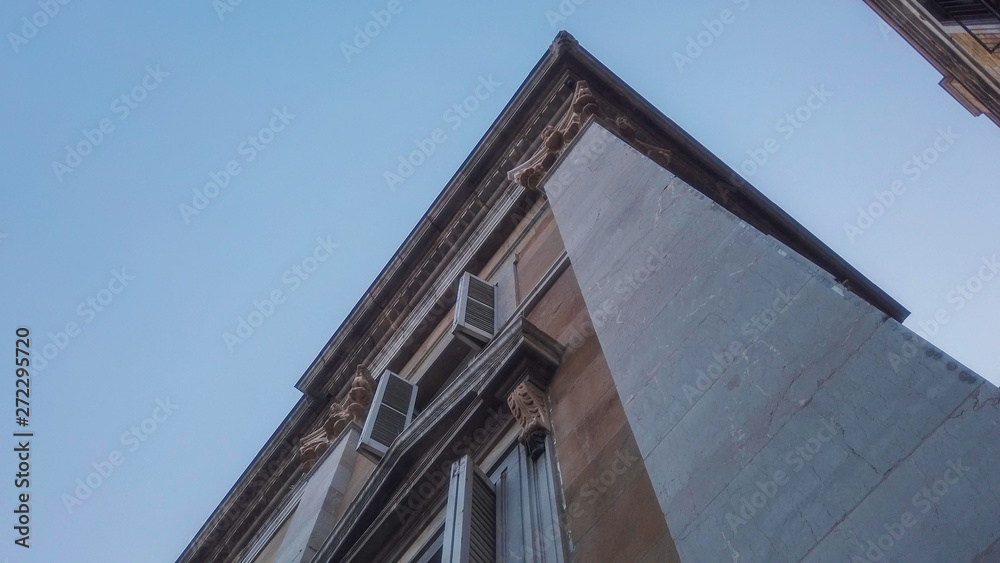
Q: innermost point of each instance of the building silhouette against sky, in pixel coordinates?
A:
(601, 344)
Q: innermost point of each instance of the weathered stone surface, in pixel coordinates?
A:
(780, 417)
(319, 508)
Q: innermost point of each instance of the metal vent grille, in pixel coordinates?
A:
(390, 413)
(483, 544)
(389, 423)
(479, 309)
(475, 310)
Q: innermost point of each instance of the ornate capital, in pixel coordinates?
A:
(527, 403)
(312, 446)
(556, 138)
(353, 408)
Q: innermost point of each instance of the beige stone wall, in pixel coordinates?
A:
(989, 62)
(270, 552)
(604, 483)
(610, 509)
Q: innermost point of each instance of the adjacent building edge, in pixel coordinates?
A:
(971, 73)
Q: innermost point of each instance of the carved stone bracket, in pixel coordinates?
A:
(563, 42)
(353, 408)
(312, 446)
(527, 403)
(555, 139)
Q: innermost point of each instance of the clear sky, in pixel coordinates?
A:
(134, 294)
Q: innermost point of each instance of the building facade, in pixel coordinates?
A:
(600, 344)
(961, 38)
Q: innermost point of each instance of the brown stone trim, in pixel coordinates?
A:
(527, 403)
(555, 138)
(435, 438)
(353, 409)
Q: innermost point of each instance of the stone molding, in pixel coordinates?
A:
(556, 138)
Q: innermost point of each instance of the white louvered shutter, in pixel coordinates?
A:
(475, 311)
(391, 411)
(470, 529)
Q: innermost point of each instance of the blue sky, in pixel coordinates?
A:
(264, 100)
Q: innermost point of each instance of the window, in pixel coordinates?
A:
(392, 409)
(508, 516)
(470, 528)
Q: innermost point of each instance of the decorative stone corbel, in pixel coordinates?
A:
(527, 403)
(312, 446)
(563, 42)
(353, 408)
(555, 139)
